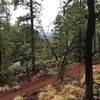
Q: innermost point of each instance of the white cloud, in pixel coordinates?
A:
(19, 12)
(49, 12)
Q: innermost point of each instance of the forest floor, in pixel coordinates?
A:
(33, 86)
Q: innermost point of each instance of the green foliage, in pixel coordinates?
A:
(6, 77)
(70, 25)
(16, 40)
(67, 27)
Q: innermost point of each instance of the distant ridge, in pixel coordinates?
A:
(48, 34)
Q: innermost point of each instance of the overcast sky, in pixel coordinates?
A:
(49, 12)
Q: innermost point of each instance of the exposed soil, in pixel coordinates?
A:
(76, 70)
(34, 86)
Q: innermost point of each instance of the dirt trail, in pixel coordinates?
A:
(31, 87)
(76, 70)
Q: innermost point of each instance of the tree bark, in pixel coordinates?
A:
(94, 42)
(88, 50)
(0, 45)
(32, 37)
(99, 42)
(80, 45)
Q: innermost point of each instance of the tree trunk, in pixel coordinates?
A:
(99, 42)
(94, 42)
(80, 46)
(0, 45)
(32, 37)
(27, 72)
(88, 50)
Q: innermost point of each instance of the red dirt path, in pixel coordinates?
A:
(31, 87)
(76, 70)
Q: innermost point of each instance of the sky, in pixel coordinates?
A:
(49, 12)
